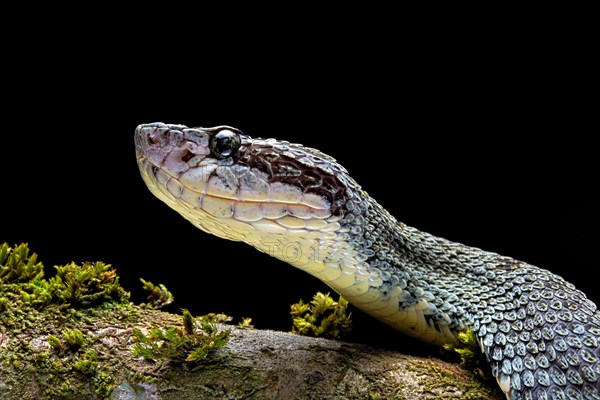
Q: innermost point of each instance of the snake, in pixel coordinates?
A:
(540, 335)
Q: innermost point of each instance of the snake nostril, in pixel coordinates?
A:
(187, 156)
(151, 139)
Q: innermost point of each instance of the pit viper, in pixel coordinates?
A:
(539, 333)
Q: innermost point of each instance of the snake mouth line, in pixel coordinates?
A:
(271, 215)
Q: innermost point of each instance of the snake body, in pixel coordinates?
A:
(540, 334)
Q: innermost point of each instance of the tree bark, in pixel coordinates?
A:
(255, 364)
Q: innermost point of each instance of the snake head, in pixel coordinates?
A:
(176, 147)
(227, 183)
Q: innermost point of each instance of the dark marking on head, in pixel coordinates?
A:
(293, 170)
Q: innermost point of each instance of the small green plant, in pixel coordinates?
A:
(87, 363)
(87, 284)
(466, 348)
(103, 384)
(80, 286)
(218, 318)
(17, 265)
(188, 321)
(245, 323)
(191, 344)
(322, 317)
(35, 293)
(470, 355)
(74, 338)
(55, 342)
(158, 296)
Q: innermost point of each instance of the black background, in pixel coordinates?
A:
(478, 144)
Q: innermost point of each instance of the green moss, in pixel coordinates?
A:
(55, 342)
(466, 348)
(22, 283)
(437, 377)
(158, 295)
(17, 265)
(219, 318)
(87, 363)
(74, 338)
(42, 359)
(188, 322)
(35, 307)
(245, 323)
(191, 344)
(103, 384)
(87, 285)
(21, 278)
(471, 356)
(322, 317)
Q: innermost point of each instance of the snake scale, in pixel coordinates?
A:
(540, 334)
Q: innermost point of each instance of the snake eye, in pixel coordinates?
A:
(225, 143)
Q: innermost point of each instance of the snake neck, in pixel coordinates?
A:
(422, 285)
